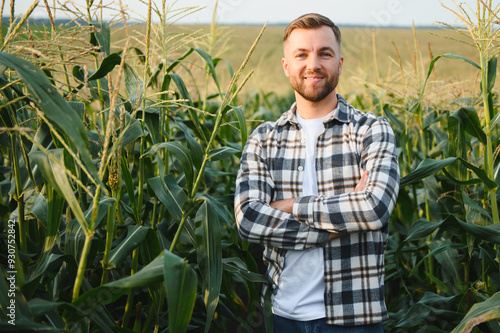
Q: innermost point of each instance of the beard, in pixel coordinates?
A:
(315, 92)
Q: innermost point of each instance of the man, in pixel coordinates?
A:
(317, 188)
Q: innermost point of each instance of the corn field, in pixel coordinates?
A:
(118, 165)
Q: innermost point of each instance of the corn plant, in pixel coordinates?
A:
(120, 178)
(443, 248)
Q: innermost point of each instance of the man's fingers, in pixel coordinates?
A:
(362, 182)
(334, 235)
(285, 205)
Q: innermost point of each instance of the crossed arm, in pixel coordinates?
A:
(286, 205)
(310, 221)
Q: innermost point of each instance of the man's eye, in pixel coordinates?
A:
(326, 54)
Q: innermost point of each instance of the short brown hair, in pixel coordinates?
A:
(312, 21)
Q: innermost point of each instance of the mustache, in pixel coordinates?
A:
(315, 72)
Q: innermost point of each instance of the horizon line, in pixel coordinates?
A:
(284, 24)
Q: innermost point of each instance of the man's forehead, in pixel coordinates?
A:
(303, 39)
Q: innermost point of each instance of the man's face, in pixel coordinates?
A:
(312, 62)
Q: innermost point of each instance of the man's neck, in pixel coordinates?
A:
(312, 110)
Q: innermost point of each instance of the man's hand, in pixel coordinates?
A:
(362, 182)
(285, 205)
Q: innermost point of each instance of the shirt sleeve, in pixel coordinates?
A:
(257, 221)
(367, 210)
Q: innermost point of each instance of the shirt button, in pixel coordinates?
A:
(303, 141)
(301, 168)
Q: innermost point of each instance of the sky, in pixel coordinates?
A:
(379, 13)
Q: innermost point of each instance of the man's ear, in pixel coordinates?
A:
(284, 63)
(341, 64)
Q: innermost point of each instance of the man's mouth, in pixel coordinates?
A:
(313, 77)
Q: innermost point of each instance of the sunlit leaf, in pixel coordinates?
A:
(53, 105)
(210, 64)
(54, 174)
(480, 313)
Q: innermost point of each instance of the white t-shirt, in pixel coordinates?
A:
(300, 294)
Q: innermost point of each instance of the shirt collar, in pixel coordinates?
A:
(341, 113)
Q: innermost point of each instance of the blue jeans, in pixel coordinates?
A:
(284, 325)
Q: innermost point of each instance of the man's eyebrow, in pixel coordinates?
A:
(324, 48)
(300, 50)
(327, 48)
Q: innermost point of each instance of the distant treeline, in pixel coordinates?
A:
(46, 21)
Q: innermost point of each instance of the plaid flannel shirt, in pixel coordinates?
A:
(271, 169)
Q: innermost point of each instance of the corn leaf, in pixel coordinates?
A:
(470, 120)
(209, 254)
(473, 205)
(106, 66)
(153, 124)
(179, 60)
(75, 237)
(422, 228)
(423, 308)
(194, 146)
(190, 106)
(211, 67)
(135, 236)
(55, 206)
(180, 285)
(102, 37)
(495, 120)
(110, 292)
(458, 57)
(4, 291)
(129, 186)
(133, 130)
(492, 73)
(133, 84)
(222, 153)
(489, 183)
(480, 313)
(55, 175)
(426, 168)
(171, 195)
(236, 265)
(440, 248)
(53, 105)
(182, 153)
(240, 114)
(150, 247)
(48, 264)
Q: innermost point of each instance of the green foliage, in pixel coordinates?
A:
(444, 239)
(120, 180)
(121, 190)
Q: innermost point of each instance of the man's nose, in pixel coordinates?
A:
(313, 62)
